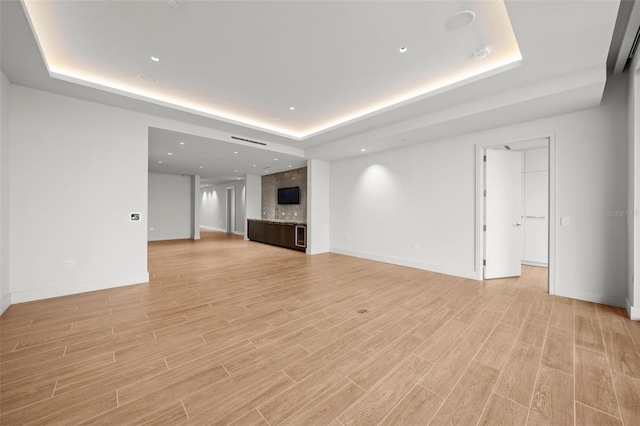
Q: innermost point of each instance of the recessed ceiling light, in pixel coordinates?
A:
(289, 165)
(292, 108)
(254, 165)
(181, 143)
(460, 20)
(155, 59)
(403, 49)
(363, 150)
(275, 159)
(169, 153)
(235, 152)
(202, 167)
(238, 178)
(160, 161)
(235, 171)
(148, 78)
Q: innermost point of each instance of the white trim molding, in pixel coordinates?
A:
(76, 288)
(5, 302)
(464, 273)
(634, 312)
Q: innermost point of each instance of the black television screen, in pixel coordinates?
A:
(289, 195)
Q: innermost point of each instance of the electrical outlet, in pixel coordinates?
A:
(68, 263)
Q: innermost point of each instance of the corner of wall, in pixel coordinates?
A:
(5, 302)
(632, 311)
(5, 103)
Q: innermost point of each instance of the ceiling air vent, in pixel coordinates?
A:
(634, 46)
(248, 140)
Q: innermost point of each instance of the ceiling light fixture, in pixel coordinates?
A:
(202, 167)
(169, 153)
(148, 78)
(363, 150)
(292, 108)
(235, 152)
(160, 161)
(155, 59)
(403, 49)
(173, 4)
(181, 143)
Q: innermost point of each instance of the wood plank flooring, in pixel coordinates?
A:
(230, 332)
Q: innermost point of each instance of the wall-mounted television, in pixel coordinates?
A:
(289, 195)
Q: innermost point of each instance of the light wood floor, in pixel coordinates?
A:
(233, 332)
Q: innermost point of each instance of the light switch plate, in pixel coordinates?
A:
(565, 221)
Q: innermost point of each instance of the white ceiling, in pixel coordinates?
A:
(215, 161)
(242, 64)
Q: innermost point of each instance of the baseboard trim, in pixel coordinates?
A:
(590, 296)
(463, 273)
(542, 265)
(76, 288)
(634, 313)
(211, 228)
(5, 302)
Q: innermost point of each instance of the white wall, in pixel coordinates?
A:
(416, 206)
(5, 103)
(170, 207)
(213, 214)
(78, 169)
(253, 198)
(318, 201)
(196, 202)
(633, 219)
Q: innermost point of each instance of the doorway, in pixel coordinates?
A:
(231, 210)
(528, 235)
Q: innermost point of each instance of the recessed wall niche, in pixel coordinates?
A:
(290, 212)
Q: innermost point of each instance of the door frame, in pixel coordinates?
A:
(480, 147)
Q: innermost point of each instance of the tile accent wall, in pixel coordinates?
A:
(270, 184)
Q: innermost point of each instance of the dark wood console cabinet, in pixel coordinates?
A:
(290, 235)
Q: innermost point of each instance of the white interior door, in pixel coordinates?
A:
(503, 214)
